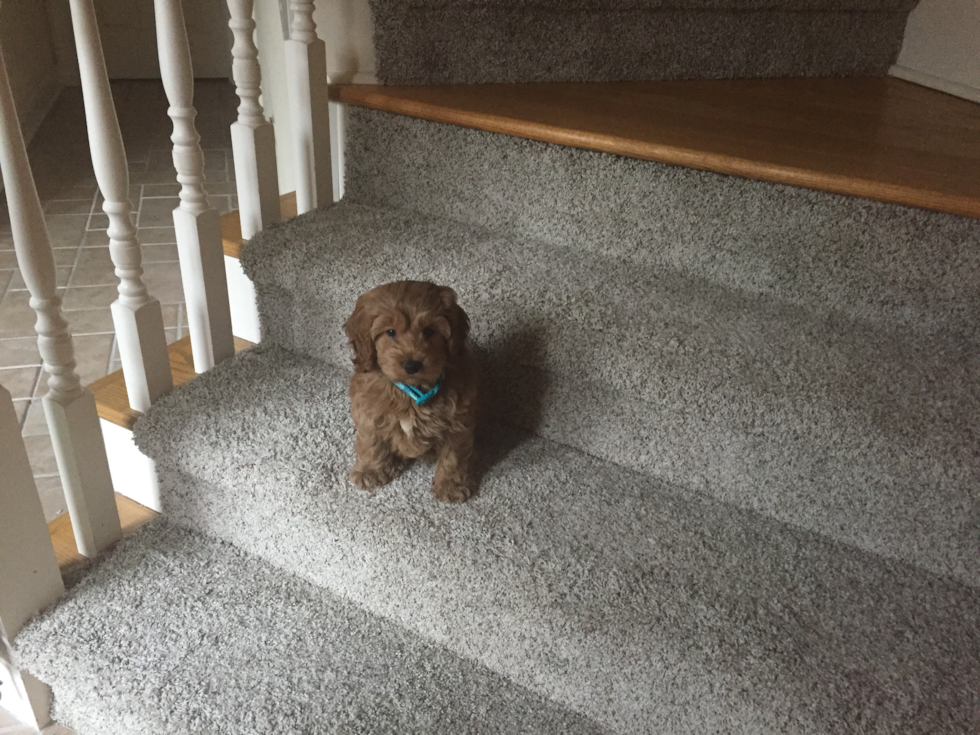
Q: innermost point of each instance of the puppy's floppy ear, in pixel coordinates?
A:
(459, 323)
(358, 329)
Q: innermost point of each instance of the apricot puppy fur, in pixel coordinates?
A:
(413, 333)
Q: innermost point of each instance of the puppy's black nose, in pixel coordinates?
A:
(411, 366)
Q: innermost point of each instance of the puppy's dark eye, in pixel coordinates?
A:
(428, 332)
(390, 333)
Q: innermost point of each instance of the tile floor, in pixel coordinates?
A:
(61, 162)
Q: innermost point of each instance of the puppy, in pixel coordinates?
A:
(414, 389)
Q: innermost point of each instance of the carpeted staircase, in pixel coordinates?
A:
(729, 484)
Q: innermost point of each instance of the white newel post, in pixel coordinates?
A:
(70, 409)
(306, 80)
(252, 137)
(29, 576)
(196, 222)
(137, 317)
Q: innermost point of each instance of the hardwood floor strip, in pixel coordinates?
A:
(880, 138)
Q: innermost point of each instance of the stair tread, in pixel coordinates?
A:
(879, 138)
(744, 397)
(597, 587)
(177, 633)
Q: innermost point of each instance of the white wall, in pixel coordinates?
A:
(942, 47)
(30, 59)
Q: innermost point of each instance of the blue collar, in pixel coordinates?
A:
(417, 395)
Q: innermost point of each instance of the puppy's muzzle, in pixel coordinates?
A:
(411, 366)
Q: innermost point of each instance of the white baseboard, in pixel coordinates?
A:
(934, 82)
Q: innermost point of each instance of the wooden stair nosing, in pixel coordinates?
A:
(865, 137)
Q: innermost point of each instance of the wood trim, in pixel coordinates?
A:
(879, 138)
(112, 400)
(231, 225)
(132, 515)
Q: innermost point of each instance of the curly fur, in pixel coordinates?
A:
(396, 324)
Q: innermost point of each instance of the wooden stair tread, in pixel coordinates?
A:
(112, 400)
(231, 225)
(880, 138)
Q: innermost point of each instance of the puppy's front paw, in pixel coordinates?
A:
(450, 491)
(370, 478)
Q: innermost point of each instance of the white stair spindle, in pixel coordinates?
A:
(29, 576)
(72, 419)
(252, 137)
(196, 222)
(306, 80)
(137, 317)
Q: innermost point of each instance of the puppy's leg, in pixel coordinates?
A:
(376, 463)
(453, 483)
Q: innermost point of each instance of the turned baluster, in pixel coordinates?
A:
(196, 222)
(70, 409)
(306, 80)
(137, 317)
(252, 137)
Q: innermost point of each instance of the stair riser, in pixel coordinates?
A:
(444, 45)
(590, 584)
(892, 471)
(897, 267)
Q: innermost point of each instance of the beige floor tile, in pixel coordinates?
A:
(163, 280)
(215, 160)
(221, 203)
(165, 253)
(41, 454)
(94, 268)
(89, 321)
(172, 315)
(93, 257)
(158, 212)
(20, 408)
(65, 256)
(160, 190)
(8, 259)
(98, 222)
(35, 423)
(59, 189)
(52, 496)
(19, 381)
(19, 352)
(65, 230)
(17, 318)
(68, 206)
(96, 239)
(159, 235)
(5, 278)
(62, 274)
(89, 297)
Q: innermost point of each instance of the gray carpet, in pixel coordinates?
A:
(864, 435)
(643, 609)
(439, 42)
(900, 267)
(175, 634)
